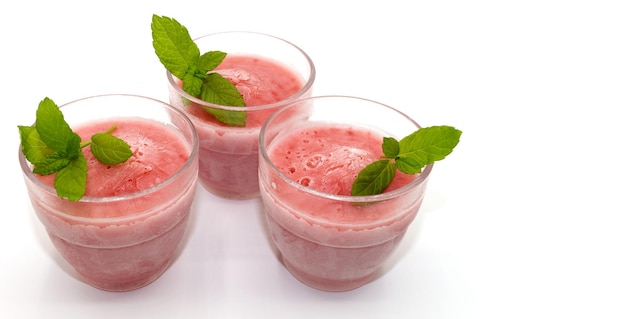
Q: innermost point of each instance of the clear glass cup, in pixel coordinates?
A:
(126, 241)
(327, 241)
(229, 154)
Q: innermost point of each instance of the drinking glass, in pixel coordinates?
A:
(126, 241)
(328, 241)
(229, 154)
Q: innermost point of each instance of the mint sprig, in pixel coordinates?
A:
(52, 147)
(181, 56)
(409, 155)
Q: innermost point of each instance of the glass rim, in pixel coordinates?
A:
(421, 177)
(27, 169)
(305, 88)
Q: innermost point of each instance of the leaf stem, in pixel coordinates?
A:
(111, 129)
(88, 142)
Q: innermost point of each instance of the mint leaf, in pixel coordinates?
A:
(210, 60)
(109, 149)
(73, 146)
(192, 84)
(181, 57)
(52, 147)
(33, 148)
(219, 89)
(391, 147)
(409, 165)
(173, 45)
(426, 146)
(70, 181)
(409, 155)
(51, 164)
(51, 125)
(374, 178)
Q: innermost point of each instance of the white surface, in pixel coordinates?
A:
(526, 219)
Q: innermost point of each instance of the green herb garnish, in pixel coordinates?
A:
(181, 56)
(409, 155)
(52, 147)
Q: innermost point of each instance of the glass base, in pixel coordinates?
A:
(327, 284)
(230, 195)
(126, 285)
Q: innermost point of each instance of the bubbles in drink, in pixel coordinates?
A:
(304, 181)
(326, 160)
(314, 161)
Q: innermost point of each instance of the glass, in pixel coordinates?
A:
(229, 154)
(327, 241)
(135, 246)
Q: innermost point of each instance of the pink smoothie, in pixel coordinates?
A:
(327, 243)
(157, 154)
(123, 234)
(229, 155)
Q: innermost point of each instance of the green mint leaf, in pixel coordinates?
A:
(409, 165)
(210, 60)
(49, 145)
(54, 162)
(51, 125)
(374, 178)
(52, 147)
(420, 148)
(218, 90)
(180, 55)
(391, 147)
(109, 149)
(73, 146)
(173, 45)
(427, 145)
(70, 182)
(192, 84)
(33, 148)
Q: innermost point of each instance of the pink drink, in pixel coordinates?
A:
(329, 158)
(266, 80)
(157, 155)
(328, 239)
(229, 156)
(123, 234)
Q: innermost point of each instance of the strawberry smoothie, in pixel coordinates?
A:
(267, 76)
(124, 233)
(328, 239)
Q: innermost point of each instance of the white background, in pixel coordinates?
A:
(526, 219)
